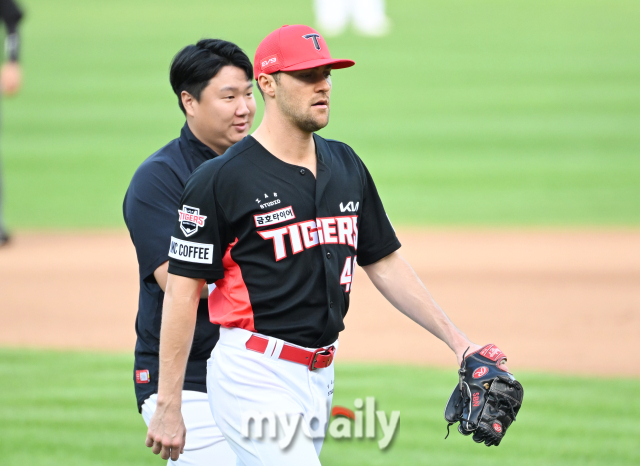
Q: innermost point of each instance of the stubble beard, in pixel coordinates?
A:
(306, 122)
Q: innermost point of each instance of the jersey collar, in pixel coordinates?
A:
(196, 148)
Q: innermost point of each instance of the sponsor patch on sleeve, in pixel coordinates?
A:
(143, 376)
(277, 216)
(191, 252)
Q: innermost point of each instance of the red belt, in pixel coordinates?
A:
(312, 359)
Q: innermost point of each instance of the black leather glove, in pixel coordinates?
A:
(486, 400)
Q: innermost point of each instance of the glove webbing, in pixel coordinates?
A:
(504, 400)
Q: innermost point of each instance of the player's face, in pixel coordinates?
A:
(225, 112)
(303, 96)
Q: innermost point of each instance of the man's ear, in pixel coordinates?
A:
(188, 102)
(267, 83)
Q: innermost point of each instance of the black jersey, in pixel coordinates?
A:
(149, 211)
(280, 244)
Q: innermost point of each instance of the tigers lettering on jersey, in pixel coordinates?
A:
(305, 235)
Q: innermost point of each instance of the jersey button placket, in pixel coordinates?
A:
(328, 255)
(303, 171)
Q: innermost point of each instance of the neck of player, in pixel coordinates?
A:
(287, 141)
(218, 147)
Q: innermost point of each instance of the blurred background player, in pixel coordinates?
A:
(10, 75)
(213, 82)
(368, 16)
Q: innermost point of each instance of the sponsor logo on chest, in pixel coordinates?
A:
(267, 203)
(277, 216)
(191, 252)
(190, 220)
(349, 207)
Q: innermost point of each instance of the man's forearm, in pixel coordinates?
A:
(161, 274)
(398, 282)
(176, 335)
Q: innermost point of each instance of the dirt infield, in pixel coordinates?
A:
(558, 300)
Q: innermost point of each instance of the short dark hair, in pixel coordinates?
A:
(276, 77)
(193, 67)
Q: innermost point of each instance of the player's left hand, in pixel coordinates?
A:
(10, 78)
(466, 349)
(472, 348)
(486, 400)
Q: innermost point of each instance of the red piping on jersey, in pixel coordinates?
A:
(229, 304)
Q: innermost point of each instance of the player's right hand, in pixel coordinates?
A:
(167, 433)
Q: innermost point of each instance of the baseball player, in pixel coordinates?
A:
(368, 16)
(213, 80)
(282, 218)
(10, 74)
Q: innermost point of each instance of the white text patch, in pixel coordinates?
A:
(191, 252)
(277, 216)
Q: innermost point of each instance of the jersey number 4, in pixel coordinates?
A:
(346, 277)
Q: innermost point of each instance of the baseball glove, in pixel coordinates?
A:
(487, 398)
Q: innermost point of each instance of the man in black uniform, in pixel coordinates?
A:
(213, 82)
(282, 216)
(10, 74)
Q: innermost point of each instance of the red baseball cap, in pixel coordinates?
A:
(293, 48)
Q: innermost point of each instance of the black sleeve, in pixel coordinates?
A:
(11, 15)
(376, 236)
(150, 210)
(201, 234)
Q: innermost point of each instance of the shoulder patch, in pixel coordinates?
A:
(191, 252)
(190, 219)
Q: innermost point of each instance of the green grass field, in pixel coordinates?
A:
(64, 408)
(492, 113)
(498, 112)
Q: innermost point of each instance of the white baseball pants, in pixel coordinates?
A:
(241, 383)
(205, 444)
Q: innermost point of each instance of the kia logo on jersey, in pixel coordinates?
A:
(190, 220)
(350, 207)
